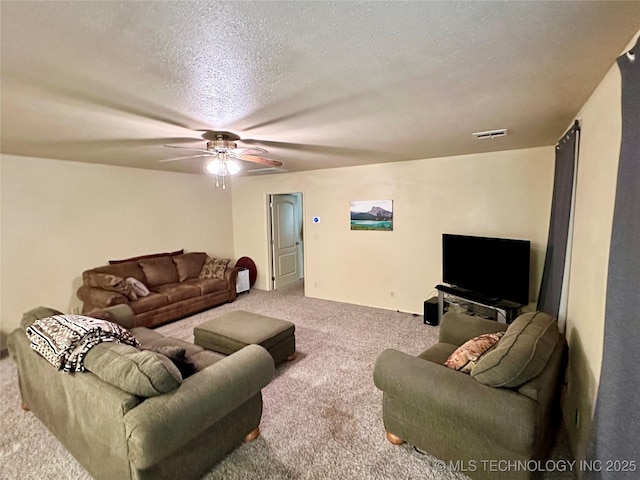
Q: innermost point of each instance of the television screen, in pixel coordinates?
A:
(494, 268)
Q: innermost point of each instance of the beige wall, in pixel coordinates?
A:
(506, 194)
(595, 195)
(60, 218)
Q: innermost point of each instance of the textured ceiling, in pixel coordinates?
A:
(318, 84)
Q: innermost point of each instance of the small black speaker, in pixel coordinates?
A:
(431, 311)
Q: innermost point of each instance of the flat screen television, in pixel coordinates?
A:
(493, 268)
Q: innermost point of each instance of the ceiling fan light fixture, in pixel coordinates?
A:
(233, 167)
(222, 167)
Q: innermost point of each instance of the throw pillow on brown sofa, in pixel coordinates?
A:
(189, 265)
(214, 268)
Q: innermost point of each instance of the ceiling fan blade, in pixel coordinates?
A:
(182, 158)
(260, 160)
(248, 151)
(113, 142)
(191, 149)
(305, 147)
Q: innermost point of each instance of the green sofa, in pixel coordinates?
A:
(168, 428)
(507, 409)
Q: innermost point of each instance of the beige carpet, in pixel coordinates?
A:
(322, 413)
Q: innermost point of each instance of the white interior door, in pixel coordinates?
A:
(285, 231)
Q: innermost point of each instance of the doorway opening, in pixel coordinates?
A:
(286, 246)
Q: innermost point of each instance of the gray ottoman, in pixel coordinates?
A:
(232, 331)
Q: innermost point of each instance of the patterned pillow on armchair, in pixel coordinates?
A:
(467, 354)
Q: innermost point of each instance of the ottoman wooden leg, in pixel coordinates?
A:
(25, 407)
(252, 435)
(394, 439)
(291, 357)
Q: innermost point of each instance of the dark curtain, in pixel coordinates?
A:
(553, 274)
(616, 435)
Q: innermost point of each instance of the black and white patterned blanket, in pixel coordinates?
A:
(64, 340)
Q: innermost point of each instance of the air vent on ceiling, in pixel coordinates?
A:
(501, 132)
(265, 171)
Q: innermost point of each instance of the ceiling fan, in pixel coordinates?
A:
(223, 150)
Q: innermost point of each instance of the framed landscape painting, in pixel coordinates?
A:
(372, 215)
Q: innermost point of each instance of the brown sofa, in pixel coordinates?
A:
(172, 280)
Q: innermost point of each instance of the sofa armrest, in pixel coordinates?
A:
(162, 424)
(98, 298)
(453, 398)
(457, 328)
(231, 276)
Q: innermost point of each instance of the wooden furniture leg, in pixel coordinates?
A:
(252, 435)
(291, 357)
(25, 407)
(394, 439)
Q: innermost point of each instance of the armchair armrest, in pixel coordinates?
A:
(122, 315)
(162, 424)
(456, 399)
(98, 298)
(457, 328)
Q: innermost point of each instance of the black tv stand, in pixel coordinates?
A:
(504, 308)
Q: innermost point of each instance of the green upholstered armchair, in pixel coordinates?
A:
(506, 409)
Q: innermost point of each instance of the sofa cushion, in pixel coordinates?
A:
(214, 267)
(464, 358)
(189, 265)
(208, 285)
(521, 354)
(37, 313)
(140, 373)
(145, 257)
(178, 291)
(159, 271)
(150, 302)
